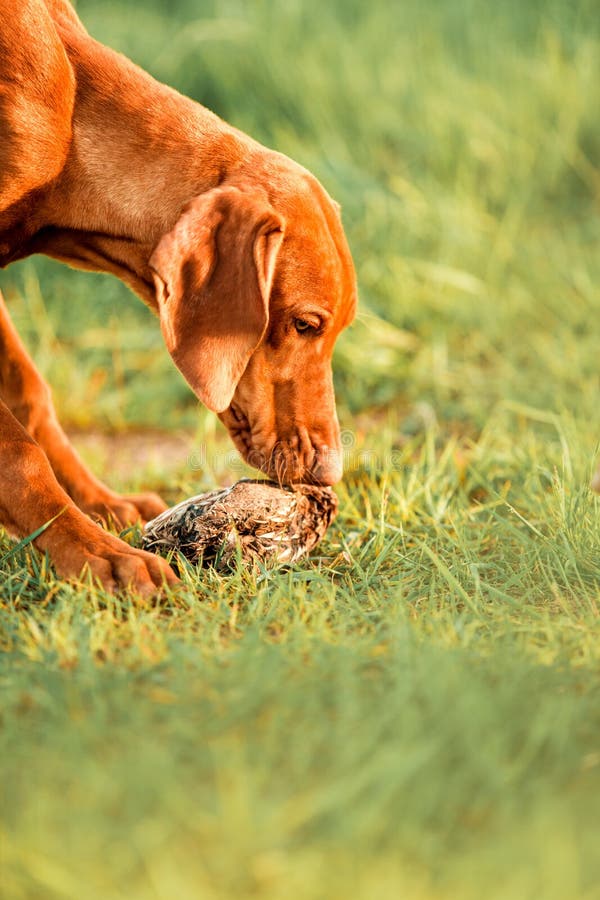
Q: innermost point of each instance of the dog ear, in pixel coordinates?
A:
(213, 274)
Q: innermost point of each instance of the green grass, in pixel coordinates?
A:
(415, 711)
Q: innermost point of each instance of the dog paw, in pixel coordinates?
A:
(78, 547)
(122, 511)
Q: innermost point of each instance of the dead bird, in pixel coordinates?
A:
(259, 519)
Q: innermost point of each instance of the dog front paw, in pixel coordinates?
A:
(78, 547)
(121, 511)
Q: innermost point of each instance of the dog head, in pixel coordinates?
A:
(253, 286)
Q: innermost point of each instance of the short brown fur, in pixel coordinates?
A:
(238, 249)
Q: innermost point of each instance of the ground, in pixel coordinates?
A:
(415, 710)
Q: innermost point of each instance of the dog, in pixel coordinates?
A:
(239, 250)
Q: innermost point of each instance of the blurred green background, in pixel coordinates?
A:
(415, 712)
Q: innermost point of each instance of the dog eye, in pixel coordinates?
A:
(302, 326)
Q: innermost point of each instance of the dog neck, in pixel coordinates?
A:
(139, 151)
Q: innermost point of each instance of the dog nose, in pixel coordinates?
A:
(328, 466)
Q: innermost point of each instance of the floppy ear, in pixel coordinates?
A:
(213, 274)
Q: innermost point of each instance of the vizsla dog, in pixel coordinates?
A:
(238, 249)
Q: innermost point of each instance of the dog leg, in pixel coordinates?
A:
(30, 496)
(28, 397)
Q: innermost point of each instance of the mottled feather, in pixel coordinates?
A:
(259, 519)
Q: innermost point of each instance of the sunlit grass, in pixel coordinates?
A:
(414, 712)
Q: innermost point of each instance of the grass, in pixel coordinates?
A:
(415, 711)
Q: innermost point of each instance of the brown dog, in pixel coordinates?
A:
(239, 250)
